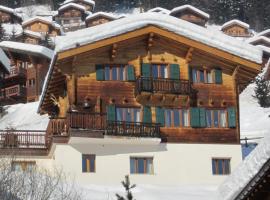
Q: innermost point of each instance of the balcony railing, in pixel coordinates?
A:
(23, 139)
(133, 129)
(16, 71)
(17, 90)
(167, 86)
(98, 122)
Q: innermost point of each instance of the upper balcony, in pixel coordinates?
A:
(16, 71)
(15, 92)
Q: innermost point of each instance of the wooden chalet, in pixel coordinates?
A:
(265, 33)
(260, 41)
(236, 28)
(30, 37)
(29, 66)
(42, 25)
(8, 15)
(71, 16)
(88, 4)
(152, 81)
(99, 18)
(190, 14)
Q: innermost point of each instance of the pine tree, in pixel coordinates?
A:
(126, 184)
(262, 91)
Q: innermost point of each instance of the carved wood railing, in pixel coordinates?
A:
(16, 71)
(168, 86)
(16, 90)
(23, 139)
(133, 129)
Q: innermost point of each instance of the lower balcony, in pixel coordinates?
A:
(16, 92)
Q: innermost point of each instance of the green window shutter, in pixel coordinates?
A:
(100, 72)
(160, 116)
(130, 73)
(202, 117)
(111, 113)
(195, 117)
(190, 73)
(146, 71)
(231, 117)
(174, 71)
(218, 76)
(147, 114)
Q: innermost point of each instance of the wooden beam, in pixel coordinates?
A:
(189, 55)
(150, 41)
(113, 52)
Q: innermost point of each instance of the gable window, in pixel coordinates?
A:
(115, 72)
(221, 166)
(176, 118)
(202, 76)
(23, 165)
(88, 163)
(159, 71)
(141, 165)
(128, 114)
(216, 118)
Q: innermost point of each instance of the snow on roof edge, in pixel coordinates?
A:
(109, 15)
(4, 60)
(159, 10)
(184, 7)
(263, 32)
(178, 26)
(246, 171)
(72, 5)
(257, 38)
(86, 1)
(235, 21)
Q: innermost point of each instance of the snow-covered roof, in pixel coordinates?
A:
(246, 171)
(103, 14)
(235, 22)
(259, 38)
(4, 60)
(212, 38)
(189, 7)
(263, 33)
(74, 5)
(159, 10)
(9, 10)
(32, 33)
(91, 2)
(28, 48)
(42, 19)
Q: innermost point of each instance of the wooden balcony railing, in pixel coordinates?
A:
(167, 86)
(57, 126)
(24, 139)
(16, 90)
(133, 129)
(16, 71)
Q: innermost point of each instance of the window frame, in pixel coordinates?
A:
(123, 115)
(219, 118)
(136, 165)
(206, 72)
(172, 117)
(167, 67)
(89, 156)
(118, 68)
(215, 168)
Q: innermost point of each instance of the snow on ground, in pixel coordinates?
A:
(254, 120)
(152, 192)
(24, 117)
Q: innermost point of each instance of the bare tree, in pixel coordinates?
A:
(35, 184)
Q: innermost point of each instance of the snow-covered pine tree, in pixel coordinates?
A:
(127, 185)
(262, 91)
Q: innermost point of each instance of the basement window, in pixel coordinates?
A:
(23, 165)
(141, 165)
(88, 163)
(221, 166)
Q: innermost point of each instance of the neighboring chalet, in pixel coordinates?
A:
(42, 25)
(159, 10)
(28, 68)
(88, 4)
(71, 16)
(260, 40)
(4, 70)
(265, 33)
(9, 15)
(236, 28)
(190, 14)
(99, 18)
(30, 37)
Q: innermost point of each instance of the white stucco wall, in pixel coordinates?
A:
(174, 164)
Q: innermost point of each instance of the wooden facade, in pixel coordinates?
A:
(118, 73)
(236, 30)
(26, 78)
(8, 15)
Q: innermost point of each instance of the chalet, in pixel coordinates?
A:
(265, 33)
(9, 15)
(236, 28)
(159, 10)
(42, 25)
(88, 4)
(190, 14)
(29, 65)
(139, 98)
(99, 18)
(4, 69)
(260, 40)
(30, 37)
(71, 16)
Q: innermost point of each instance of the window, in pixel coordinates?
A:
(115, 72)
(23, 165)
(221, 166)
(31, 82)
(216, 118)
(88, 163)
(159, 71)
(202, 76)
(139, 165)
(128, 114)
(176, 118)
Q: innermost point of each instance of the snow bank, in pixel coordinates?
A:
(178, 26)
(24, 117)
(27, 48)
(246, 171)
(152, 192)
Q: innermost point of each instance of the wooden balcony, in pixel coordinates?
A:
(165, 86)
(16, 91)
(16, 71)
(92, 124)
(132, 129)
